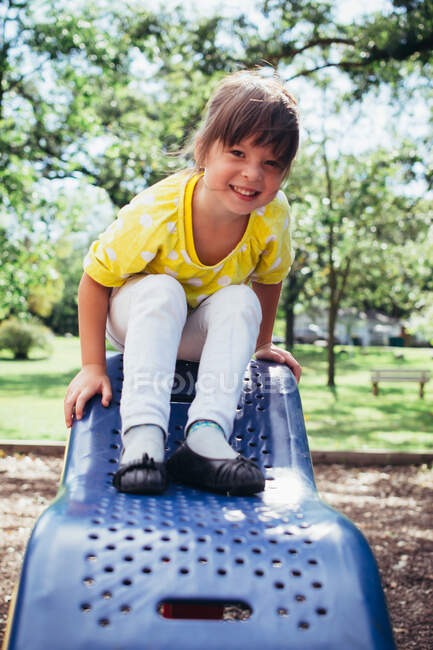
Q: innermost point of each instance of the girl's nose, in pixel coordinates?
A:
(252, 172)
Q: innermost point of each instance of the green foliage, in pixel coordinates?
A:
(63, 318)
(99, 94)
(28, 280)
(20, 337)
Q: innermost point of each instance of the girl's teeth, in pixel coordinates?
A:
(244, 192)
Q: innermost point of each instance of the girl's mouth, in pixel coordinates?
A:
(244, 193)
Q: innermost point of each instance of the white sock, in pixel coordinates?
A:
(206, 438)
(142, 439)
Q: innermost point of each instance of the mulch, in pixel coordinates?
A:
(393, 506)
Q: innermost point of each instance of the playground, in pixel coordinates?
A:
(187, 515)
(391, 505)
(388, 504)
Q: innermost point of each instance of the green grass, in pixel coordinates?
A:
(349, 417)
(32, 392)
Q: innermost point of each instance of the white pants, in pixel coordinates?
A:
(148, 320)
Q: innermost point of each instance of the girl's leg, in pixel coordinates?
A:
(228, 324)
(146, 319)
(230, 320)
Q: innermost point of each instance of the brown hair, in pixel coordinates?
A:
(248, 104)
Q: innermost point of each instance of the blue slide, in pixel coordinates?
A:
(191, 569)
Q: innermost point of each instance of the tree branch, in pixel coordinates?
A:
(398, 53)
(345, 65)
(323, 42)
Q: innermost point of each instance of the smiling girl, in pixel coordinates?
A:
(192, 269)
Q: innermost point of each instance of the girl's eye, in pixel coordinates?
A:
(273, 163)
(236, 152)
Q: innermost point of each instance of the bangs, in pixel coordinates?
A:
(268, 124)
(248, 106)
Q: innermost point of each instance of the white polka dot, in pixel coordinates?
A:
(286, 223)
(87, 261)
(124, 276)
(261, 211)
(172, 255)
(186, 257)
(111, 254)
(146, 220)
(224, 281)
(195, 282)
(170, 272)
(202, 297)
(147, 255)
(176, 201)
(145, 198)
(270, 238)
(171, 226)
(99, 250)
(116, 226)
(275, 264)
(281, 196)
(243, 248)
(218, 268)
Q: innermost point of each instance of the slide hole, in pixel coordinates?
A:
(196, 609)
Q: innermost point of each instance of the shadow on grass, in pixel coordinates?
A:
(343, 433)
(35, 383)
(372, 422)
(27, 360)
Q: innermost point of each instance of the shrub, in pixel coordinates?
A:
(21, 336)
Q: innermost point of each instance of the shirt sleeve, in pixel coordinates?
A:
(126, 247)
(277, 255)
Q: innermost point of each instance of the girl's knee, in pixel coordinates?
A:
(163, 288)
(241, 299)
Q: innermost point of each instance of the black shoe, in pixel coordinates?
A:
(237, 476)
(141, 476)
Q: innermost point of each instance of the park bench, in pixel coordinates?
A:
(194, 570)
(399, 374)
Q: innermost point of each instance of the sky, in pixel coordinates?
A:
(377, 119)
(346, 9)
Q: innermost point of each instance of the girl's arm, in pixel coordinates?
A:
(268, 295)
(92, 378)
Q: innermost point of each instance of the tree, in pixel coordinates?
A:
(64, 83)
(380, 47)
(419, 258)
(355, 225)
(102, 94)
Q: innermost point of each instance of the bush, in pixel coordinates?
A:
(21, 336)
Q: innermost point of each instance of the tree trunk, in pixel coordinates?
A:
(292, 289)
(332, 317)
(290, 326)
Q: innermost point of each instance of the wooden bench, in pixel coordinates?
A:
(399, 374)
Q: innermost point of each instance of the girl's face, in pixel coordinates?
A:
(241, 178)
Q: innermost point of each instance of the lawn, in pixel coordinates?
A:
(349, 417)
(32, 392)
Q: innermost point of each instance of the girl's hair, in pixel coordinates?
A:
(248, 104)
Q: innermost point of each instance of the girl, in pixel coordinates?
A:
(170, 279)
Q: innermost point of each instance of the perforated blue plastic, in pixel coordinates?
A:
(105, 570)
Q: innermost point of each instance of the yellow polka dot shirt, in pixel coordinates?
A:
(153, 234)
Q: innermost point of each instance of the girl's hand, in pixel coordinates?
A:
(91, 379)
(271, 352)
